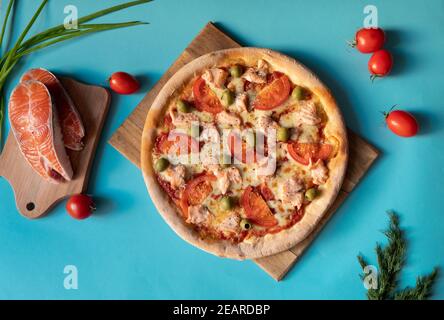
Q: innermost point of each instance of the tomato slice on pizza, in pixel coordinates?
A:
(196, 190)
(240, 149)
(177, 143)
(256, 209)
(304, 152)
(274, 94)
(205, 98)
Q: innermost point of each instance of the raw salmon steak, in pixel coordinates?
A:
(35, 125)
(70, 121)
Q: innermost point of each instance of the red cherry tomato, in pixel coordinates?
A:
(123, 83)
(80, 206)
(380, 63)
(368, 40)
(402, 123)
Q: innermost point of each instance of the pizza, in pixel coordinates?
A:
(243, 152)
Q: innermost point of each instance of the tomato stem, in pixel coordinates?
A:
(373, 77)
(352, 43)
(386, 113)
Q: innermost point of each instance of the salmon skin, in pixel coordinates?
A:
(35, 125)
(70, 121)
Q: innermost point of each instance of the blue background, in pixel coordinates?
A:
(126, 250)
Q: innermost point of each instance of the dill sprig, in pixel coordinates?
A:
(25, 46)
(422, 290)
(391, 260)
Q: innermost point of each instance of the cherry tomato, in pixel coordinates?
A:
(368, 40)
(205, 98)
(80, 206)
(273, 94)
(380, 63)
(123, 83)
(402, 123)
(256, 209)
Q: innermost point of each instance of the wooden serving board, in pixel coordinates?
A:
(33, 195)
(127, 140)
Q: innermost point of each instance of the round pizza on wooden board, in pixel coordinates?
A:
(243, 152)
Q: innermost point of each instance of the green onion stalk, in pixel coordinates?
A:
(26, 45)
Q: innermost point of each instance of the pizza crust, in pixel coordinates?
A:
(270, 243)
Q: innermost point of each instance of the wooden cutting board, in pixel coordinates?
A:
(33, 195)
(127, 140)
